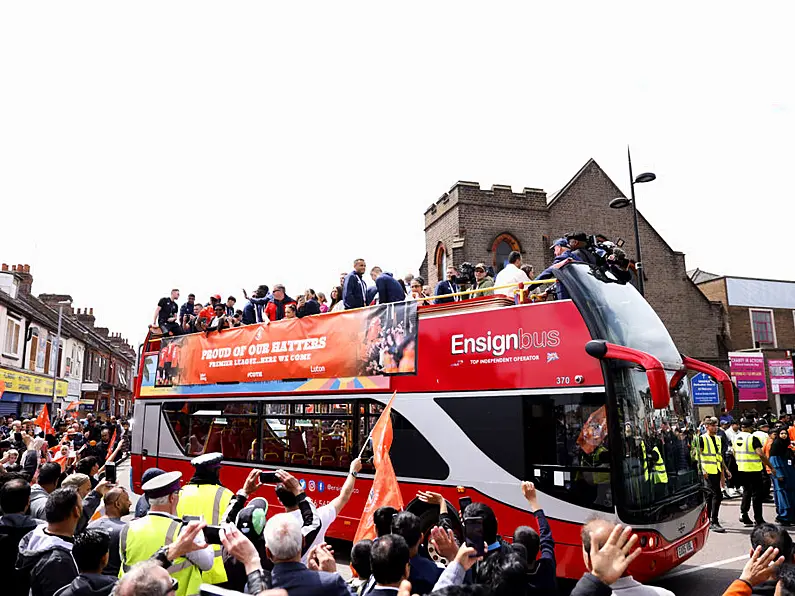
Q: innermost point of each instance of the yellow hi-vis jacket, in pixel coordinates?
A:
(208, 501)
(711, 458)
(143, 537)
(660, 475)
(747, 458)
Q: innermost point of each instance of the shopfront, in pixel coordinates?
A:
(25, 393)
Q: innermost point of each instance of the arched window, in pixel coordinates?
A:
(440, 258)
(501, 248)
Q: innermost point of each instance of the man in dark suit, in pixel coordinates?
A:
(387, 287)
(447, 287)
(354, 288)
(389, 561)
(284, 541)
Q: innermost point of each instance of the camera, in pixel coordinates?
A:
(466, 274)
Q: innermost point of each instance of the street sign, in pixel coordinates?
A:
(705, 390)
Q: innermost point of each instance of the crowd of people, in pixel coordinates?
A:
(744, 457)
(266, 304)
(65, 530)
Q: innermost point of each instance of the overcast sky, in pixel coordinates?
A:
(211, 146)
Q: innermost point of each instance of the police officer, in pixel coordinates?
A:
(750, 457)
(205, 497)
(713, 467)
(151, 535)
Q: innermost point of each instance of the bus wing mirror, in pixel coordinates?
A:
(717, 374)
(655, 373)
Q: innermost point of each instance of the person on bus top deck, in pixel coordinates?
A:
(446, 287)
(253, 310)
(354, 288)
(275, 309)
(167, 314)
(204, 496)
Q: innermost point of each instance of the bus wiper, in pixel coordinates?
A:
(669, 501)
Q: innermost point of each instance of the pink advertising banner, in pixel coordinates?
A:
(782, 377)
(748, 373)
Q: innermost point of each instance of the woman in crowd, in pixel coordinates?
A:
(416, 292)
(336, 300)
(781, 457)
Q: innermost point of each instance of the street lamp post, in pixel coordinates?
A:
(621, 202)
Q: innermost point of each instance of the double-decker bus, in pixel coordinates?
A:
(587, 397)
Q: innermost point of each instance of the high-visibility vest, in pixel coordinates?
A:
(143, 537)
(747, 459)
(209, 501)
(659, 474)
(711, 458)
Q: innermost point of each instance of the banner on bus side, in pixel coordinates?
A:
(379, 340)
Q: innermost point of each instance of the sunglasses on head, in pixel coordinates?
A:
(173, 587)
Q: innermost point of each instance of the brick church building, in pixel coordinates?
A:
(472, 224)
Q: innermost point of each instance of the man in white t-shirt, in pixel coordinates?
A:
(511, 274)
(327, 513)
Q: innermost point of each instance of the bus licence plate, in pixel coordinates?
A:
(685, 549)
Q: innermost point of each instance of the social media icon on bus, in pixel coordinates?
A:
(321, 486)
(302, 484)
(311, 485)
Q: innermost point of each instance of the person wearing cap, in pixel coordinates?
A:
(578, 245)
(275, 309)
(150, 536)
(714, 470)
(250, 519)
(207, 314)
(750, 460)
(484, 280)
(204, 496)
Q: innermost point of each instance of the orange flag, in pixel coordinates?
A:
(73, 405)
(594, 431)
(385, 490)
(2, 388)
(110, 445)
(43, 421)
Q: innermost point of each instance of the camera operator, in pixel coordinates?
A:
(581, 249)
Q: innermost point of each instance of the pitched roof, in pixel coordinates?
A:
(698, 276)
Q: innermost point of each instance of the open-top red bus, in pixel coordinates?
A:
(578, 395)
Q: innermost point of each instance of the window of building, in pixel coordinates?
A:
(34, 350)
(501, 249)
(440, 258)
(12, 337)
(762, 328)
(307, 434)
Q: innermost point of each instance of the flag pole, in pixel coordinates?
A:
(370, 436)
(56, 350)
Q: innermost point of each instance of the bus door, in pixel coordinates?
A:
(150, 440)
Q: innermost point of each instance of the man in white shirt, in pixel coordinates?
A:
(327, 513)
(511, 274)
(599, 531)
(731, 430)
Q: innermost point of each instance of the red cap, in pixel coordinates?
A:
(217, 296)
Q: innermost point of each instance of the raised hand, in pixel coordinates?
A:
(185, 542)
(761, 566)
(444, 542)
(609, 562)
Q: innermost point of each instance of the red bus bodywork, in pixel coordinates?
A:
(551, 340)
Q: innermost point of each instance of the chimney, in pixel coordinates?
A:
(25, 279)
(86, 318)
